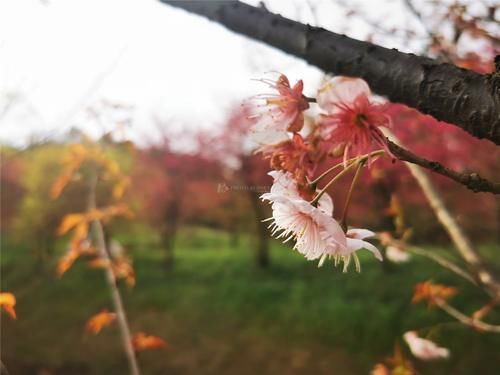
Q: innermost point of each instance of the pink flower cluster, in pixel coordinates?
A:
(350, 120)
(317, 234)
(423, 349)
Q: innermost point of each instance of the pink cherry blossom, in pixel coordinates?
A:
(423, 349)
(353, 116)
(316, 233)
(314, 229)
(396, 255)
(281, 113)
(354, 241)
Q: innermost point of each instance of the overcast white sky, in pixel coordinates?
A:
(60, 56)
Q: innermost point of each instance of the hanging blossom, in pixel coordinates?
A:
(295, 156)
(354, 241)
(423, 349)
(281, 113)
(316, 233)
(397, 255)
(353, 117)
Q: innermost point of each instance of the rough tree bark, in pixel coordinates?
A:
(458, 96)
(262, 255)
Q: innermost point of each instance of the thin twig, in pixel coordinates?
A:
(343, 220)
(430, 33)
(459, 238)
(472, 181)
(467, 320)
(330, 183)
(443, 262)
(111, 280)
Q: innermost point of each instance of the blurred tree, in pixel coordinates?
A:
(174, 186)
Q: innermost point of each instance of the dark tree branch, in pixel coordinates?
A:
(472, 181)
(451, 94)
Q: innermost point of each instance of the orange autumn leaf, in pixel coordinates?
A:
(380, 369)
(119, 188)
(483, 311)
(59, 185)
(80, 234)
(68, 222)
(432, 292)
(100, 320)
(7, 302)
(141, 341)
(98, 263)
(66, 262)
(122, 269)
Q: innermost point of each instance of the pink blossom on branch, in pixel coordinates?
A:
(423, 349)
(296, 156)
(396, 255)
(353, 116)
(313, 228)
(316, 233)
(281, 113)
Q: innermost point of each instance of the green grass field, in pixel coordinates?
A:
(223, 315)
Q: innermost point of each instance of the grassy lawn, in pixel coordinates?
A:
(223, 315)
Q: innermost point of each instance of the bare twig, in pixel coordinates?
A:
(467, 320)
(111, 280)
(462, 243)
(472, 181)
(443, 262)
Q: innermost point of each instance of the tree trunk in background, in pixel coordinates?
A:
(169, 232)
(234, 236)
(262, 255)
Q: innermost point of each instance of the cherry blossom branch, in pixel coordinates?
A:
(111, 280)
(451, 94)
(330, 183)
(472, 181)
(346, 164)
(467, 320)
(462, 243)
(443, 262)
(343, 222)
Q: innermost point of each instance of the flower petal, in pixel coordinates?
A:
(360, 234)
(354, 244)
(341, 90)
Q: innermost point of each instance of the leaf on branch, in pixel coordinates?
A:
(432, 292)
(122, 269)
(141, 341)
(79, 245)
(7, 303)
(66, 261)
(120, 187)
(72, 161)
(98, 263)
(100, 320)
(68, 222)
(59, 185)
